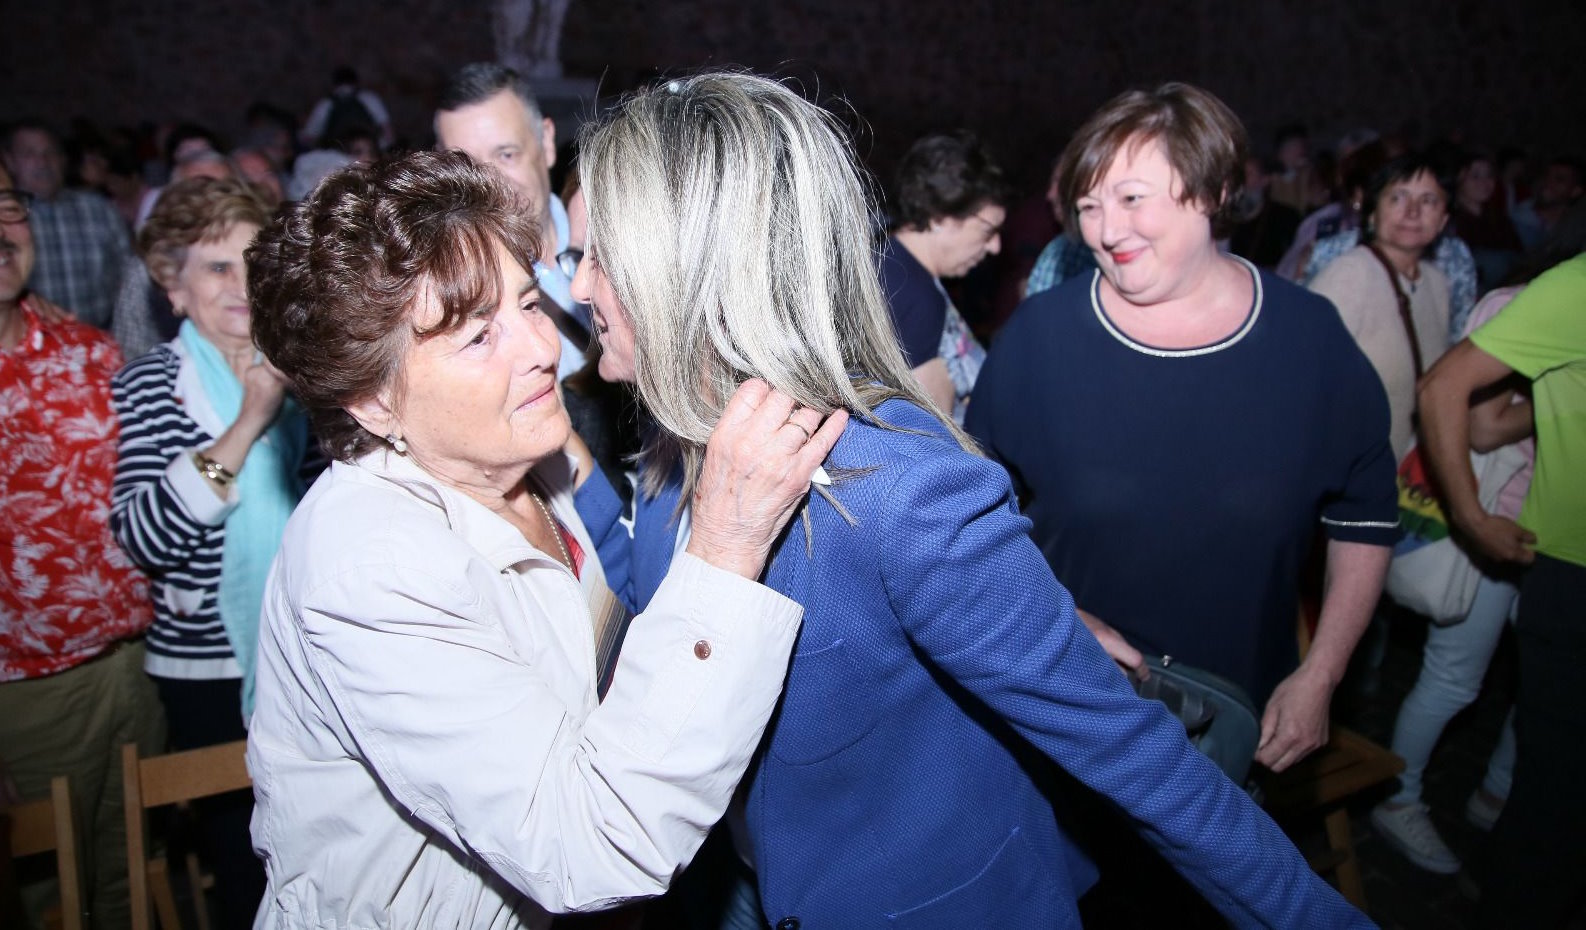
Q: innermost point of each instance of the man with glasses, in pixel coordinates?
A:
(72, 607)
(81, 243)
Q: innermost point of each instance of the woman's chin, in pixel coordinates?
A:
(555, 432)
(614, 373)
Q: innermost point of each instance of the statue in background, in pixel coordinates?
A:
(529, 35)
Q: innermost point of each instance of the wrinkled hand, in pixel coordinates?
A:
(1500, 538)
(1116, 646)
(263, 392)
(1295, 722)
(47, 311)
(757, 470)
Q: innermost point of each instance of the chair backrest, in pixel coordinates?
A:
(161, 780)
(44, 825)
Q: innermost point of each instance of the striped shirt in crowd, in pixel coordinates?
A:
(168, 519)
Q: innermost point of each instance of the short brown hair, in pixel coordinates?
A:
(193, 211)
(946, 175)
(1202, 139)
(333, 281)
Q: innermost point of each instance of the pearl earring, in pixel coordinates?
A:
(398, 444)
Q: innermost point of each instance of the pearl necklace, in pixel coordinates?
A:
(556, 530)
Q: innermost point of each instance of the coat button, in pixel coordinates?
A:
(702, 651)
(788, 923)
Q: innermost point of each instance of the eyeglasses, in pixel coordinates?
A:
(14, 205)
(567, 261)
(992, 229)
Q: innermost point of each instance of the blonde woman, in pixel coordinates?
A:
(728, 239)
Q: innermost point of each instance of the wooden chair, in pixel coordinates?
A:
(44, 825)
(158, 781)
(1323, 782)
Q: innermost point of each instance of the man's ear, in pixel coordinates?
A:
(376, 415)
(548, 141)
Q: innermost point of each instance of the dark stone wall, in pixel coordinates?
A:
(122, 61)
(1023, 73)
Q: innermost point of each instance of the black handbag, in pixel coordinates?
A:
(1219, 718)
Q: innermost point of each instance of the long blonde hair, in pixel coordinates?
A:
(735, 228)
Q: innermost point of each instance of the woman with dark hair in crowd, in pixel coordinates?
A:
(1393, 299)
(940, 664)
(948, 210)
(429, 749)
(1482, 221)
(213, 458)
(1448, 253)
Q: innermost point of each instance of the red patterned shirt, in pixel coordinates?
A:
(67, 591)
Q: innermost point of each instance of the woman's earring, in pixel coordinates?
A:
(398, 444)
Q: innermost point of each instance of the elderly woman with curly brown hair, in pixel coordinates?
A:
(213, 457)
(429, 749)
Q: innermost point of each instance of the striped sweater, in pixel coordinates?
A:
(168, 519)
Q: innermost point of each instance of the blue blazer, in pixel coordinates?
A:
(936, 648)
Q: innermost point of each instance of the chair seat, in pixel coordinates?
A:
(1346, 766)
(157, 781)
(1319, 786)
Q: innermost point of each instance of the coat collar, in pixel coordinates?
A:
(502, 545)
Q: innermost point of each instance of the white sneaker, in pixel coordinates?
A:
(1408, 830)
(1482, 809)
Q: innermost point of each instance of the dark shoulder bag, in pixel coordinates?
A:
(1218, 716)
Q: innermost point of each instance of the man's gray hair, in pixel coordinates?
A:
(477, 82)
(737, 231)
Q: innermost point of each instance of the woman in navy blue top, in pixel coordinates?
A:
(947, 204)
(727, 239)
(1180, 425)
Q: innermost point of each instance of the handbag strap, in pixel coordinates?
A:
(1404, 310)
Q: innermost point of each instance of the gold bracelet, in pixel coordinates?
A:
(213, 470)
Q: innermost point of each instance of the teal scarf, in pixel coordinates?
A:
(268, 487)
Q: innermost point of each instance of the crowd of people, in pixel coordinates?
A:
(702, 528)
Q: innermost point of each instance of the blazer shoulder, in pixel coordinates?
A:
(907, 446)
(902, 433)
